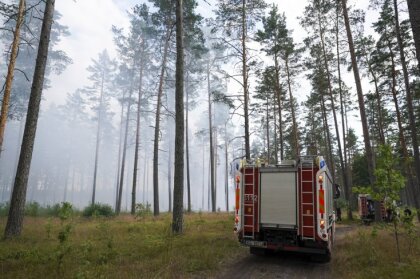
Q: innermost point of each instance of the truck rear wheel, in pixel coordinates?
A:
(323, 258)
(260, 251)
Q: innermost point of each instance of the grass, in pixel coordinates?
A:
(125, 247)
(370, 252)
(119, 247)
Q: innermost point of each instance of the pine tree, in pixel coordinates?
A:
(10, 71)
(101, 75)
(177, 220)
(17, 205)
(229, 14)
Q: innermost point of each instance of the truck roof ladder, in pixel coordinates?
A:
(306, 171)
(248, 202)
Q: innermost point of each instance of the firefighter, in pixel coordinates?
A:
(338, 214)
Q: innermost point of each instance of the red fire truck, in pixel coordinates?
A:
(286, 207)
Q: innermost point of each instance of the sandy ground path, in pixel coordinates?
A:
(280, 265)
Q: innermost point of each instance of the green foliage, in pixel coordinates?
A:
(143, 210)
(360, 175)
(65, 211)
(98, 209)
(389, 181)
(48, 228)
(4, 209)
(32, 209)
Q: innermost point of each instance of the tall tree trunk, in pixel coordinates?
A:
(276, 143)
(409, 99)
(378, 100)
(267, 128)
(203, 186)
(366, 136)
(337, 130)
(124, 149)
(226, 171)
(328, 134)
(279, 104)
(10, 72)
(66, 181)
(347, 187)
(73, 178)
(414, 12)
(170, 174)
(245, 81)
(177, 221)
(292, 108)
(137, 145)
(157, 127)
(212, 171)
(117, 191)
(187, 149)
(406, 170)
(17, 204)
(215, 167)
(98, 139)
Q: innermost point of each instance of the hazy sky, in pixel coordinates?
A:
(90, 22)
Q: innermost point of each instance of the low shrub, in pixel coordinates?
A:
(98, 209)
(143, 210)
(32, 209)
(4, 209)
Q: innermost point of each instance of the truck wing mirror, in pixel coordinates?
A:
(337, 191)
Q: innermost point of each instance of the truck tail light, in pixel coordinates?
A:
(321, 201)
(237, 196)
(322, 224)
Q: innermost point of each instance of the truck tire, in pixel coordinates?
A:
(260, 251)
(322, 258)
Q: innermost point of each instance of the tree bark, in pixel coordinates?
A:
(157, 127)
(328, 135)
(10, 72)
(124, 149)
(330, 92)
(170, 174)
(409, 99)
(137, 144)
(117, 191)
(414, 12)
(17, 205)
(177, 221)
(98, 140)
(292, 108)
(267, 128)
(366, 136)
(406, 170)
(245, 82)
(187, 145)
(212, 171)
(347, 187)
(279, 104)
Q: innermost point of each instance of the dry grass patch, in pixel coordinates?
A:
(370, 252)
(119, 247)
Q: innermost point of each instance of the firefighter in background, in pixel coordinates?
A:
(337, 204)
(371, 209)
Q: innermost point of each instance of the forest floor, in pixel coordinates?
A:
(126, 247)
(360, 252)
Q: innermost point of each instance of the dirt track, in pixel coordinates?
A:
(280, 265)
